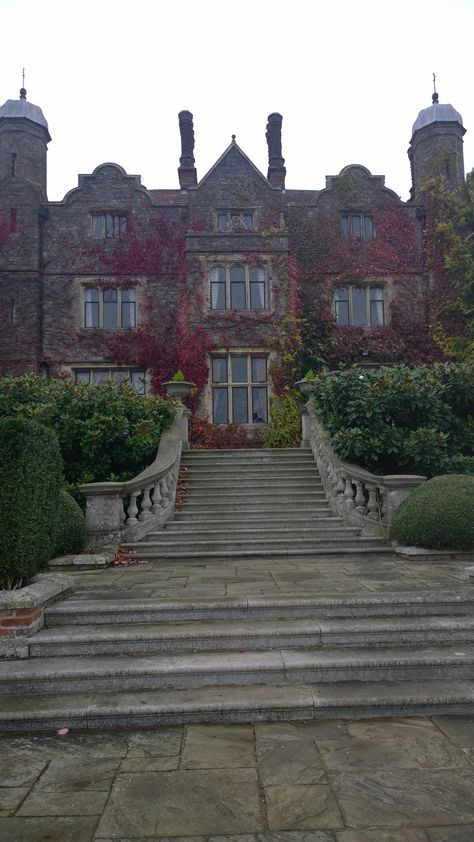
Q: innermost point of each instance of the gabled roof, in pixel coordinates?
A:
(232, 148)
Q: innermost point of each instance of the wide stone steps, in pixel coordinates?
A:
(279, 666)
(190, 548)
(144, 638)
(256, 530)
(152, 708)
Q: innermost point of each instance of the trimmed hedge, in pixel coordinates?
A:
(438, 515)
(70, 526)
(31, 480)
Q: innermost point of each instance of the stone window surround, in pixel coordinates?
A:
(237, 219)
(367, 285)
(227, 265)
(363, 229)
(101, 288)
(271, 357)
(109, 224)
(73, 369)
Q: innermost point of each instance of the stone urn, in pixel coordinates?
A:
(178, 389)
(305, 387)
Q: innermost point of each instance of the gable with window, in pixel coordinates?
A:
(358, 226)
(361, 306)
(239, 389)
(238, 288)
(110, 308)
(108, 226)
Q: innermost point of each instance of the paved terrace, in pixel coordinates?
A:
(383, 780)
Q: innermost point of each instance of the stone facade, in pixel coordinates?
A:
(83, 279)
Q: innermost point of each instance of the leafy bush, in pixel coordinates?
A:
(399, 419)
(70, 526)
(31, 471)
(178, 377)
(285, 430)
(204, 435)
(105, 432)
(438, 515)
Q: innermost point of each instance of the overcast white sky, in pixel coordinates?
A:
(349, 79)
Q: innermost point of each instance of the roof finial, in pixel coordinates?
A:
(22, 89)
(233, 138)
(435, 96)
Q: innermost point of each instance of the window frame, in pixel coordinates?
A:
(350, 307)
(366, 223)
(251, 391)
(235, 220)
(132, 375)
(98, 310)
(109, 225)
(226, 279)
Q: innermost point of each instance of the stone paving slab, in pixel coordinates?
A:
(385, 780)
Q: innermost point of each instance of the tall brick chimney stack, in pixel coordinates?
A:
(186, 170)
(276, 164)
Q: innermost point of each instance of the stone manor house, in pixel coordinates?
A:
(84, 278)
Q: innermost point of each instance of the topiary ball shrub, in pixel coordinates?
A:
(70, 526)
(438, 515)
(31, 479)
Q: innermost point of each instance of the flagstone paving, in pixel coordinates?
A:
(384, 780)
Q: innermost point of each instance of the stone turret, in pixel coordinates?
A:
(437, 145)
(24, 138)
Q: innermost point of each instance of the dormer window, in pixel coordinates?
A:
(234, 221)
(358, 226)
(108, 226)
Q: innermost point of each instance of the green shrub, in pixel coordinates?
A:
(70, 526)
(105, 432)
(31, 472)
(285, 430)
(399, 419)
(438, 515)
(178, 377)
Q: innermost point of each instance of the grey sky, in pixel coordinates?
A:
(349, 79)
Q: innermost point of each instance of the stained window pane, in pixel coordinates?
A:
(240, 412)
(237, 295)
(237, 274)
(222, 221)
(376, 306)
(218, 296)
(356, 230)
(109, 225)
(219, 369)
(91, 307)
(257, 288)
(110, 308)
(219, 405)
(99, 378)
(236, 221)
(341, 298)
(368, 228)
(259, 369)
(239, 369)
(120, 376)
(138, 382)
(98, 226)
(259, 404)
(247, 220)
(128, 307)
(359, 306)
(83, 377)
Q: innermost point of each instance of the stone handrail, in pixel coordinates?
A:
(126, 511)
(359, 497)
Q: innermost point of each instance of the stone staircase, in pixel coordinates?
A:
(121, 662)
(252, 502)
(112, 657)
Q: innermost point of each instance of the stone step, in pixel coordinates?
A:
(280, 494)
(350, 551)
(189, 545)
(255, 482)
(183, 518)
(127, 610)
(256, 454)
(150, 709)
(280, 666)
(221, 508)
(237, 530)
(230, 470)
(202, 636)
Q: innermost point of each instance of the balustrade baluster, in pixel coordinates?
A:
(132, 510)
(349, 494)
(156, 497)
(359, 499)
(372, 507)
(145, 513)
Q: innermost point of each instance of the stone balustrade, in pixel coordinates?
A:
(359, 497)
(126, 511)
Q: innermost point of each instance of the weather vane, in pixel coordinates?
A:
(23, 75)
(434, 83)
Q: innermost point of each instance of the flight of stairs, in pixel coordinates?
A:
(124, 662)
(252, 502)
(118, 659)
